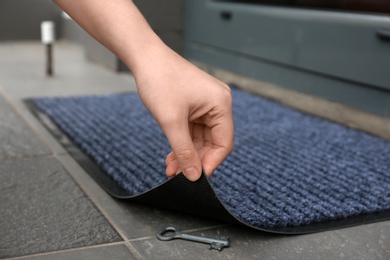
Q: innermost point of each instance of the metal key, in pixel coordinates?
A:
(169, 233)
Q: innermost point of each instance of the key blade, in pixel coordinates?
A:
(217, 246)
(220, 245)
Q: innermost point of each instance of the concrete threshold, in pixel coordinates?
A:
(342, 114)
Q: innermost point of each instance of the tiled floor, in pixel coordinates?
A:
(52, 209)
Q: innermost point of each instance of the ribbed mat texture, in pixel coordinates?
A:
(287, 168)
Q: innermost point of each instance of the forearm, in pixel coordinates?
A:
(118, 25)
(192, 108)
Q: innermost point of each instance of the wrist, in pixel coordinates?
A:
(144, 53)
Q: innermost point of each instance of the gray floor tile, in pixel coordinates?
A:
(114, 252)
(16, 137)
(362, 242)
(133, 219)
(43, 210)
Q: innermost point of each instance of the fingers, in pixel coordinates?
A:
(220, 123)
(211, 151)
(221, 139)
(172, 167)
(184, 155)
(200, 132)
(198, 138)
(212, 159)
(170, 158)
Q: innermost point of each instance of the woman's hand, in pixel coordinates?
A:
(193, 109)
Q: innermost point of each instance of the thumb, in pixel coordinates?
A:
(184, 151)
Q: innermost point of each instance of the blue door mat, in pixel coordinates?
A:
(289, 172)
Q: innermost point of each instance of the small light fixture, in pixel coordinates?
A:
(48, 36)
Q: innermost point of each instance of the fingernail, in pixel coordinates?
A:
(191, 173)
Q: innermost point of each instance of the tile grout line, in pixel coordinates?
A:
(126, 240)
(133, 250)
(28, 157)
(207, 228)
(70, 250)
(87, 193)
